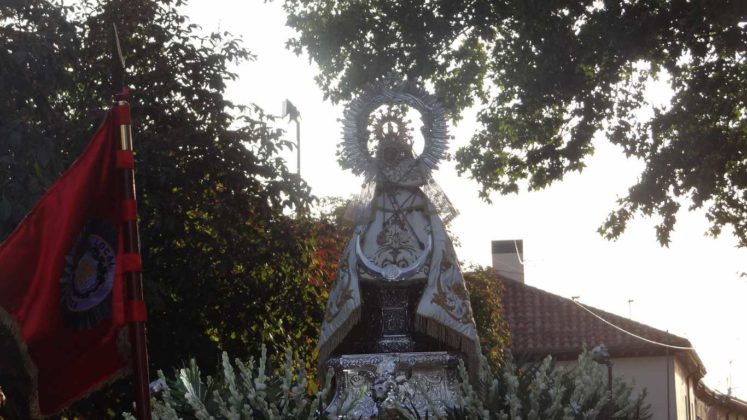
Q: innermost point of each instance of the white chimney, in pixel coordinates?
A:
(508, 258)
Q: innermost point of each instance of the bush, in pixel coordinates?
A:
(544, 391)
(241, 391)
(485, 289)
(537, 391)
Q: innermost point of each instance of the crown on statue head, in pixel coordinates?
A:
(393, 137)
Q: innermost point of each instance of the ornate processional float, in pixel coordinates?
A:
(398, 318)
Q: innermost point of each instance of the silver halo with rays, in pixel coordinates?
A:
(392, 90)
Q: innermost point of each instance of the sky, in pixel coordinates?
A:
(692, 288)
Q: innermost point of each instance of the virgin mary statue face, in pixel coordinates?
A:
(394, 154)
(393, 151)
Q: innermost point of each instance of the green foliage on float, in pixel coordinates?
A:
(535, 391)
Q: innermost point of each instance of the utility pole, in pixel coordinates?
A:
(290, 111)
(630, 308)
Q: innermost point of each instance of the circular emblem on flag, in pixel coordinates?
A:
(88, 277)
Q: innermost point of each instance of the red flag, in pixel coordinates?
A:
(61, 288)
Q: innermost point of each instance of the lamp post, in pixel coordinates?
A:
(290, 111)
(630, 308)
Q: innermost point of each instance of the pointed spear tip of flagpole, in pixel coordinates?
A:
(119, 47)
(118, 68)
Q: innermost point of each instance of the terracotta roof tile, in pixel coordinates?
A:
(542, 323)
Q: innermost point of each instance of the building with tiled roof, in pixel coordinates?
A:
(541, 324)
(546, 323)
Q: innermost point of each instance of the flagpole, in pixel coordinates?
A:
(136, 310)
(134, 299)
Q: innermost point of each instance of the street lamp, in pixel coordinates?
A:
(290, 111)
(630, 308)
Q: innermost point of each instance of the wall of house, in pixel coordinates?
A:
(682, 403)
(704, 411)
(707, 410)
(656, 375)
(683, 391)
(650, 373)
(726, 414)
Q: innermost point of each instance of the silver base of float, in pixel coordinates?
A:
(374, 384)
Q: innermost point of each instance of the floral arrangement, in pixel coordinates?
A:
(533, 391)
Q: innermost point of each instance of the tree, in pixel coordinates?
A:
(485, 290)
(226, 259)
(549, 75)
(38, 44)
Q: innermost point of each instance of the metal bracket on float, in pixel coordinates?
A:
(392, 272)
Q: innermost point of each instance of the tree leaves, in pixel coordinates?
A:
(227, 258)
(551, 76)
(5, 209)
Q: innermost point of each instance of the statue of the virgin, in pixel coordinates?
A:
(399, 287)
